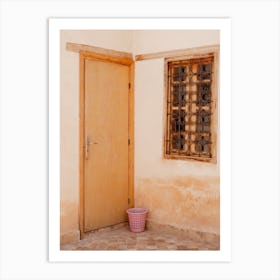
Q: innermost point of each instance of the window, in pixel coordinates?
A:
(191, 119)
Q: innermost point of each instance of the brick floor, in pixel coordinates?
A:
(121, 238)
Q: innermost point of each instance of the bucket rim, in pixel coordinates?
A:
(143, 210)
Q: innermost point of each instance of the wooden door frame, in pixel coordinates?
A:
(105, 55)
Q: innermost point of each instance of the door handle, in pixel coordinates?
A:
(88, 142)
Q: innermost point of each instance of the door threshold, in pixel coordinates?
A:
(106, 229)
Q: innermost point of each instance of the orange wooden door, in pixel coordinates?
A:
(106, 144)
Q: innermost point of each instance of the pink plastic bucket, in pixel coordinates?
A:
(137, 219)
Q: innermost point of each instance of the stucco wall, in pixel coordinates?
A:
(184, 194)
(180, 193)
(149, 41)
(69, 192)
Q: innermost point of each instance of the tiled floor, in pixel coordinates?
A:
(121, 238)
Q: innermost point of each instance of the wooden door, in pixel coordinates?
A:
(106, 149)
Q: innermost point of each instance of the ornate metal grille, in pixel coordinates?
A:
(189, 111)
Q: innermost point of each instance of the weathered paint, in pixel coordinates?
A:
(184, 202)
(181, 193)
(69, 222)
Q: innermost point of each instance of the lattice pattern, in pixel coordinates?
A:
(189, 108)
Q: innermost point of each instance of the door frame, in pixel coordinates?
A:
(105, 55)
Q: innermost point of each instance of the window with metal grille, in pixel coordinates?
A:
(189, 111)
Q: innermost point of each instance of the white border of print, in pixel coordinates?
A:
(222, 24)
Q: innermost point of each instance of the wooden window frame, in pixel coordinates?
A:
(196, 53)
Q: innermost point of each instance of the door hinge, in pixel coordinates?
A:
(129, 85)
(128, 141)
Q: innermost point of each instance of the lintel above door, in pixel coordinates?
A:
(101, 53)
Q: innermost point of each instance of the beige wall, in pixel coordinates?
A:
(181, 193)
(184, 194)
(146, 41)
(117, 40)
